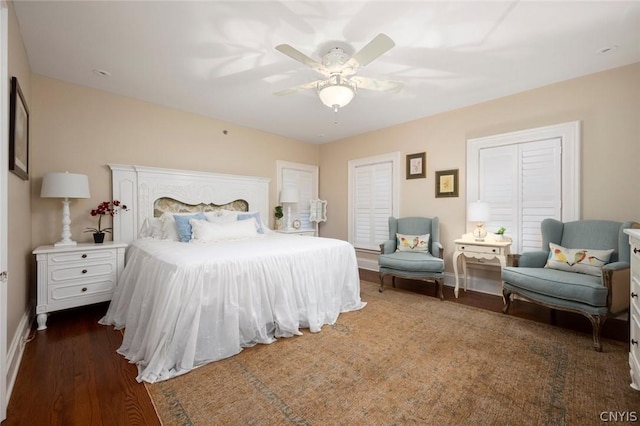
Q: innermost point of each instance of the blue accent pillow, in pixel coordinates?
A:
(184, 227)
(256, 216)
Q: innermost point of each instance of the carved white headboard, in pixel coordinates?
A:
(138, 187)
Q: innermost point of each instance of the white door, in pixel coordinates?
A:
(4, 165)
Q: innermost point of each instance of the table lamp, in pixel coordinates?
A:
(65, 185)
(289, 196)
(478, 212)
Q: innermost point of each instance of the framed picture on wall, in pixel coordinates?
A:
(18, 132)
(447, 183)
(417, 165)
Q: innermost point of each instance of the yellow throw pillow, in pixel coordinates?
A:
(582, 261)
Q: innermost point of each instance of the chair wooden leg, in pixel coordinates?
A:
(393, 281)
(381, 289)
(597, 321)
(440, 288)
(507, 300)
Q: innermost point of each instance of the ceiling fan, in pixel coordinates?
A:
(340, 84)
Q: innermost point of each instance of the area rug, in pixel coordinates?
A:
(408, 358)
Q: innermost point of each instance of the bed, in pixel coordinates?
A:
(185, 304)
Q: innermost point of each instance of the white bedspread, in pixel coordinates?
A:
(186, 304)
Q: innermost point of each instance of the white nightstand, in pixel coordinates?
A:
(76, 276)
(308, 232)
(488, 249)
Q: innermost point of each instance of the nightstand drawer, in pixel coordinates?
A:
(62, 293)
(478, 249)
(61, 274)
(80, 256)
(634, 347)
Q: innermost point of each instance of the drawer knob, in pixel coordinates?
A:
(634, 342)
(462, 247)
(84, 256)
(493, 250)
(84, 289)
(84, 271)
(636, 250)
(634, 295)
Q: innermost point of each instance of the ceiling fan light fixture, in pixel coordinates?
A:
(336, 92)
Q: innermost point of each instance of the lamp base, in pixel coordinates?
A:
(479, 233)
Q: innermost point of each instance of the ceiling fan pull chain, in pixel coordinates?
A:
(335, 114)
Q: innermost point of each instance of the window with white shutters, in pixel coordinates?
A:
(526, 177)
(304, 178)
(373, 197)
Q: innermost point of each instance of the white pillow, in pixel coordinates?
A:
(582, 261)
(412, 242)
(205, 231)
(151, 228)
(219, 217)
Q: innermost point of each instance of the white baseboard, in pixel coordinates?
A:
(368, 264)
(16, 350)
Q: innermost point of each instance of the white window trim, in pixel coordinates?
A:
(570, 135)
(394, 158)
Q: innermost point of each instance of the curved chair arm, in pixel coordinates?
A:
(440, 250)
(388, 246)
(616, 277)
(531, 259)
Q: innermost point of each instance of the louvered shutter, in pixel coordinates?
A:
(522, 183)
(373, 204)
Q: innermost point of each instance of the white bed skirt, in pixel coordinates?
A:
(183, 305)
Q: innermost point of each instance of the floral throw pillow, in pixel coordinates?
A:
(582, 261)
(412, 242)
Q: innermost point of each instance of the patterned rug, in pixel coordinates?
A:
(408, 358)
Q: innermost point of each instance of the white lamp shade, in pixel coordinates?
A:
(338, 95)
(478, 212)
(65, 185)
(289, 195)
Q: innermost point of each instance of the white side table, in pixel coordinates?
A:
(76, 276)
(488, 249)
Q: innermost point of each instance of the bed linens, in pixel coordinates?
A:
(183, 305)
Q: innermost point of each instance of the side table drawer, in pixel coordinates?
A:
(477, 249)
(81, 256)
(61, 274)
(62, 293)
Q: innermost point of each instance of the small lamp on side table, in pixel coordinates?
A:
(479, 212)
(65, 185)
(289, 196)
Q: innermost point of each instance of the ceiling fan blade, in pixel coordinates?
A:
(310, 85)
(295, 54)
(378, 85)
(376, 47)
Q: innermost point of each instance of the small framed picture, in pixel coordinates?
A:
(18, 132)
(417, 165)
(447, 183)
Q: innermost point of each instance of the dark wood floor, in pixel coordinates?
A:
(71, 374)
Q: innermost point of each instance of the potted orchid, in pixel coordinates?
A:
(105, 208)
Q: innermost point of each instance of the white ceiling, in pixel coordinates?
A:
(217, 58)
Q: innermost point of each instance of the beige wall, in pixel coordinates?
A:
(82, 130)
(607, 104)
(19, 222)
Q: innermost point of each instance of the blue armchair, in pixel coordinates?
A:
(417, 260)
(548, 277)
